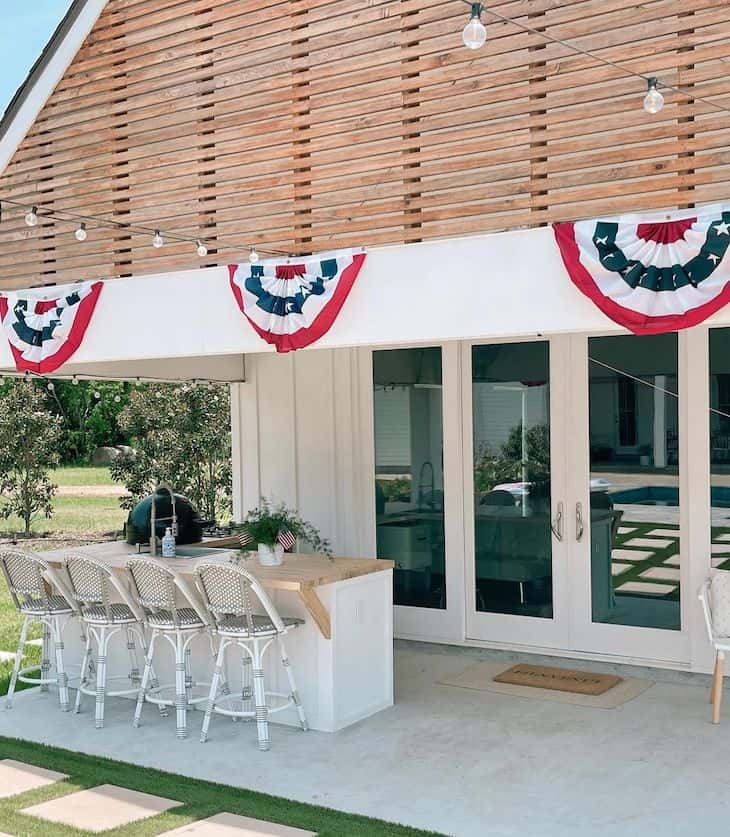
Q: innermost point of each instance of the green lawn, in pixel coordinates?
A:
(85, 475)
(200, 799)
(81, 515)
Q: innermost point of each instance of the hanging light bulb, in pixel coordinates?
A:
(475, 33)
(97, 395)
(81, 232)
(50, 386)
(75, 381)
(31, 219)
(653, 101)
(157, 240)
(253, 256)
(201, 250)
(117, 399)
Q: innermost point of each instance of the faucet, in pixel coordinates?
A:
(153, 515)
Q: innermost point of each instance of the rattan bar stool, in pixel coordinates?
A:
(39, 596)
(157, 590)
(91, 584)
(230, 594)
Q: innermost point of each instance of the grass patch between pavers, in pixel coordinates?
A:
(201, 799)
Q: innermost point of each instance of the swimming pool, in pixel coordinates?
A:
(665, 495)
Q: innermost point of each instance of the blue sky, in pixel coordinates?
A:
(26, 28)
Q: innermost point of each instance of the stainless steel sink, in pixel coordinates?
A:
(202, 552)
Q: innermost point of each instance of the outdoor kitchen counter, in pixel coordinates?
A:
(342, 655)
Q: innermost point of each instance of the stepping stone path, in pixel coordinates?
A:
(617, 568)
(661, 573)
(657, 543)
(99, 809)
(231, 825)
(645, 587)
(18, 777)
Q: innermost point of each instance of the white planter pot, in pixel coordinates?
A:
(271, 556)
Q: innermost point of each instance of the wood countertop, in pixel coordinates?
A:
(300, 573)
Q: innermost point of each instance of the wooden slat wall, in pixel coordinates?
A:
(316, 124)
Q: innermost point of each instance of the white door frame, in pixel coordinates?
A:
(601, 638)
(509, 628)
(421, 622)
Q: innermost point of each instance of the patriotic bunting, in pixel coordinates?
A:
(293, 305)
(44, 332)
(651, 277)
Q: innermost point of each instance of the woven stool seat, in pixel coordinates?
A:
(53, 605)
(116, 614)
(187, 619)
(238, 626)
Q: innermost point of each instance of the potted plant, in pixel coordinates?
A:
(272, 527)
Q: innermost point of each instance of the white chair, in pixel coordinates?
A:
(92, 585)
(156, 588)
(720, 642)
(230, 594)
(39, 596)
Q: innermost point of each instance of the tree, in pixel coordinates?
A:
(181, 435)
(29, 438)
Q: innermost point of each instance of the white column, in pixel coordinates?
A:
(660, 421)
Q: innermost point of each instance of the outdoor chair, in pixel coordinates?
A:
(715, 598)
(157, 590)
(230, 594)
(39, 597)
(91, 584)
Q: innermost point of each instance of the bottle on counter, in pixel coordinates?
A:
(168, 544)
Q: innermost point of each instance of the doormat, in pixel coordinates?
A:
(560, 679)
(482, 678)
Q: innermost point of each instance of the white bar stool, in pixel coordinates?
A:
(229, 593)
(156, 588)
(91, 584)
(28, 578)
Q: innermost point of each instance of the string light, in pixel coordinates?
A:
(253, 256)
(201, 249)
(31, 217)
(157, 240)
(653, 101)
(475, 33)
(81, 233)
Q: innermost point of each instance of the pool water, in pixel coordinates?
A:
(665, 495)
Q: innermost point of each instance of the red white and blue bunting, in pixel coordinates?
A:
(655, 276)
(44, 331)
(293, 305)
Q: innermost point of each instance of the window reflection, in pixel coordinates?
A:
(409, 479)
(511, 417)
(720, 446)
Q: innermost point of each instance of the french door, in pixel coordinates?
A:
(572, 496)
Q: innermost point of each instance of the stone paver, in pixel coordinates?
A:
(661, 573)
(626, 530)
(720, 547)
(18, 777)
(646, 587)
(101, 808)
(231, 825)
(664, 533)
(721, 538)
(673, 560)
(617, 567)
(656, 543)
(630, 554)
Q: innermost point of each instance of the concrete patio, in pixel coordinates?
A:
(461, 762)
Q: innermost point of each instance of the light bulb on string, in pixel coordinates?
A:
(653, 101)
(253, 256)
(475, 33)
(157, 240)
(97, 395)
(117, 399)
(75, 381)
(31, 218)
(201, 249)
(50, 387)
(81, 233)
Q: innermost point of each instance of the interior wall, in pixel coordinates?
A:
(297, 438)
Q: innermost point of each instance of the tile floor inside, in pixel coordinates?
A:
(462, 762)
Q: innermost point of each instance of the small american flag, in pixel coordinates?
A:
(244, 539)
(286, 539)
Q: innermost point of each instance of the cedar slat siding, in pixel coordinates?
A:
(313, 124)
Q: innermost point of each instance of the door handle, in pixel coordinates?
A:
(579, 527)
(557, 524)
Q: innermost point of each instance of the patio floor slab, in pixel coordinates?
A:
(102, 808)
(455, 761)
(17, 777)
(231, 825)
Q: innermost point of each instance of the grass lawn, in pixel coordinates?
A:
(201, 799)
(82, 475)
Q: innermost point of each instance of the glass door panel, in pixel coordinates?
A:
(409, 473)
(720, 446)
(512, 479)
(634, 481)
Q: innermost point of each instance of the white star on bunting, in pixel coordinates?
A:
(722, 228)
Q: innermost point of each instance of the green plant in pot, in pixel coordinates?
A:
(273, 526)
